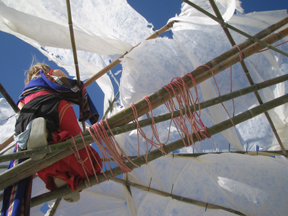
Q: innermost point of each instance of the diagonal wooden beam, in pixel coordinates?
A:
(174, 196)
(53, 208)
(73, 44)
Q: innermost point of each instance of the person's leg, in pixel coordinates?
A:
(69, 169)
(67, 123)
(67, 118)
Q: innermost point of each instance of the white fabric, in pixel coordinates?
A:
(192, 15)
(7, 120)
(109, 198)
(249, 184)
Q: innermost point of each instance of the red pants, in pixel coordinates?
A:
(69, 169)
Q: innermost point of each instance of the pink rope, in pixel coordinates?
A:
(185, 100)
(91, 162)
(187, 124)
(274, 46)
(240, 53)
(95, 140)
(80, 160)
(218, 91)
(158, 145)
(109, 148)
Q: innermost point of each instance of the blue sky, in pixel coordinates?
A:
(16, 55)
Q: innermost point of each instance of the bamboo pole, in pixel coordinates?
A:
(110, 108)
(246, 71)
(222, 23)
(167, 148)
(27, 168)
(174, 196)
(73, 44)
(117, 61)
(251, 153)
(6, 142)
(143, 123)
(200, 74)
(9, 99)
(52, 210)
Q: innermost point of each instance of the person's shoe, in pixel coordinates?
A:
(74, 196)
(37, 137)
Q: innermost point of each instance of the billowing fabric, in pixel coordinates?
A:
(67, 88)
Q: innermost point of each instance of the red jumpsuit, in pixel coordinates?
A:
(68, 169)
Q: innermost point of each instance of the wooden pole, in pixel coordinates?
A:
(110, 108)
(222, 23)
(251, 153)
(167, 148)
(174, 196)
(6, 142)
(52, 210)
(143, 123)
(117, 61)
(9, 99)
(72, 38)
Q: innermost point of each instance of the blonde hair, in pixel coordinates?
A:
(34, 68)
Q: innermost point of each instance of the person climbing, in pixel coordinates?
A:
(47, 117)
